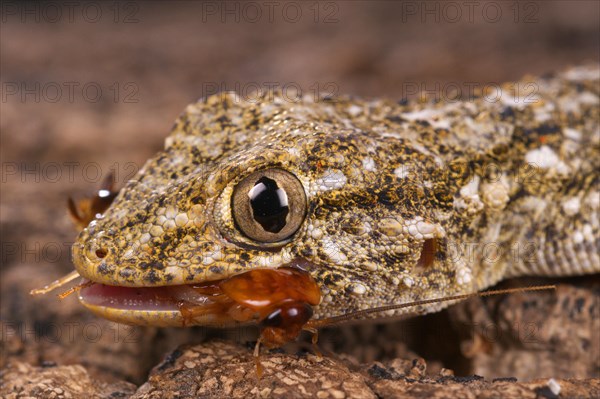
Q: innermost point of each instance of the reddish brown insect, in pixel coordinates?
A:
(280, 300)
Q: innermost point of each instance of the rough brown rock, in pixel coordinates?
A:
(21, 380)
(219, 369)
(531, 335)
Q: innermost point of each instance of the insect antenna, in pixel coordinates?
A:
(76, 288)
(55, 284)
(315, 324)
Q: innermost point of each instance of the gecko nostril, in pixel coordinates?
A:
(101, 253)
(97, 249)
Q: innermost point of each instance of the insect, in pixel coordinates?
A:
(295, 216)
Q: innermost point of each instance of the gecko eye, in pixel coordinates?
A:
(269, 205)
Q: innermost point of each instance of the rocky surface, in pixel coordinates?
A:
(552, 334)
(220, 369)
(21, 380)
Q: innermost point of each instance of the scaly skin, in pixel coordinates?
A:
(507, 186)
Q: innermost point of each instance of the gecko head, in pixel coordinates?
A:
(271, 183)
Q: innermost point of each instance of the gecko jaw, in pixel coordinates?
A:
(225, 302)
(150, 306)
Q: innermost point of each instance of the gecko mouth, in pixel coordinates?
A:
(158, 306)
(137, 298)
(238, 299)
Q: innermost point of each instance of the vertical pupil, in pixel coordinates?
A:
(269, 204)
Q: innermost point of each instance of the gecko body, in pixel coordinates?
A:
(381, 202)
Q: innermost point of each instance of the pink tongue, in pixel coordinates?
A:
(143, 298)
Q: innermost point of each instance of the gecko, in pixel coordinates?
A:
(380, 202)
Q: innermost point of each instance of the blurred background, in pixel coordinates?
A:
(90, 87)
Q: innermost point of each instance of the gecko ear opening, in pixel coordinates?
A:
(428, 253)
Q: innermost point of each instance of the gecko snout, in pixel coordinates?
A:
(91, 253)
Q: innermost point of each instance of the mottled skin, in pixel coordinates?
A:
(506, 184)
